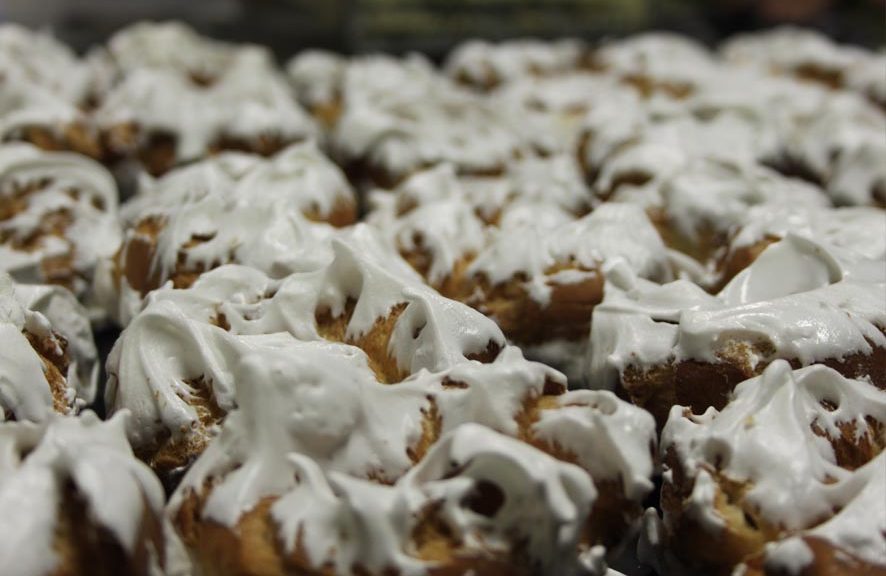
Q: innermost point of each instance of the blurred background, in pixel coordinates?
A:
(434, 26)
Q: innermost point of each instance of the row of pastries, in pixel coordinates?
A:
(547, 308)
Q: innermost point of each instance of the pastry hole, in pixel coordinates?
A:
(829, 405)
(486, 499)
(749, 520)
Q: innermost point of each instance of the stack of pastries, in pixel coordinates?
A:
(547, 308)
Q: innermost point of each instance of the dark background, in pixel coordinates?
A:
(434, 26)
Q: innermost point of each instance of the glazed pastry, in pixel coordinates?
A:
(358, 296)
(535, 268)
(175, 47)
(48, 361)
(627, 152)
(316, 77)
(549, 112)
(478, 503)
(631, 158)
(805, 54)
(360, 324)
(657, 64)
(840, 145)
(159, 118)
(701, 208)
(272, 214)
(857, 230)
(541, 284)
(76, 502)
(484, 65)
(800, 300)
(58, 217)
(42, 89)
(773, 105)
(554, 180)
(41, 60)
(864, 75)
(397, 118)
(788, 477)
(35, 114)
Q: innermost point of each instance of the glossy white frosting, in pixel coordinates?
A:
(249, 101)
(318, 404)
(399, 117)
(40, 59)
(76, 186)
(340, 521)
(810, 302)
(26, 104)
(36, 464)
(54, 315)
(175, 47)
(718, 196)
(549, 111)
(865, 74)
(250, 209)
(613, 230)
(481, 63)
(660, 56)
(841, 142)
(360, 270)
(349, 425)
(860, 230)
(316, 76)
(786, 49)
(448, 216)
(764, 438)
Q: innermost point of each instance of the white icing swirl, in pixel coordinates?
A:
(775, 437)
(341, 521)
(787, 50)
(251, 100)
(815, 307)
(40, 59)
(66, 185)
(37, 462)
(661, 57)
(718, 196)
(244, 209)
(483, 64)
(430, 333)
(316, 76)
(405, 118)
(175, 47)
(54, 317)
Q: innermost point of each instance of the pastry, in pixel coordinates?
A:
(800, 300)
(483, 65)
(376, 340)
(158, 118)
(48, 361)
(397, 118)
(787, 477)
(534, 265)
(479, 502)
(76, 502)
(272, 214)
(58, 217)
